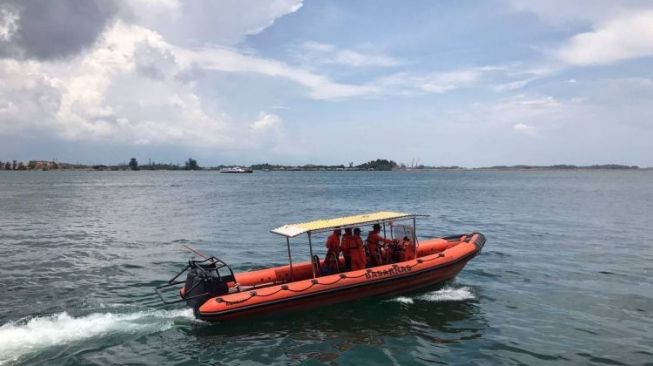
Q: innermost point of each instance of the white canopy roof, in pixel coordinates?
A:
(292, 230)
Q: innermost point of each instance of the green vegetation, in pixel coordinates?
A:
(133, 164)
(191, 164)
(265, 166)
(378, 164)
(160, 166)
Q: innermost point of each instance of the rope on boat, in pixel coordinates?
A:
(315, 282)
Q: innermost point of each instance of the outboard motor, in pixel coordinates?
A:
(205, 279)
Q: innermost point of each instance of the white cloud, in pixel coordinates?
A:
(265, 17)
(28, 94)
(265, 133)
(522, 113)
(321, 87)
(516, 76)
(526, 114)
(315, 53)
(541, 103)
(620, 30)
(196, 23)
(8, 23)
(133, 87)
(228, 60)
(405, 83)
(626, 37)
(139, 83)
(609, 123)
(266, 122)
(123, 90)
(524, 128)
(562, 12)
(148, 6)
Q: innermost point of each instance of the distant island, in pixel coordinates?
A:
(373, 165)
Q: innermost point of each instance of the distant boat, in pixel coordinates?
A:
(236, 169)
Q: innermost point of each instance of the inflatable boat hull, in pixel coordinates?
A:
(438, 260)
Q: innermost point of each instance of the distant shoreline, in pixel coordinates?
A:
(55, 166)
(372, 165)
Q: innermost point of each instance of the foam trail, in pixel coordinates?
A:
(448, 294)
(443, 294)
(20, 338)
(403, 300)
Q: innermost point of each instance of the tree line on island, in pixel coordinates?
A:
(190, 164)
(373, 165)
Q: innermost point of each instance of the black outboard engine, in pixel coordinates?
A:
(205, 279)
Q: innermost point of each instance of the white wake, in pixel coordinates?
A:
(403, 300)
(448, 294)
(443, 294)
(23, 337)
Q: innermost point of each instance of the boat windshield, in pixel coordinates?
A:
(400, 231)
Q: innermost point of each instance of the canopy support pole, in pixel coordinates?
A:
(414, 236)
(292, 277)
(310, 247)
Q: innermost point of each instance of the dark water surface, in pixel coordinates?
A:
(565, 276)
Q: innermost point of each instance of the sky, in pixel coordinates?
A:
(449, 82)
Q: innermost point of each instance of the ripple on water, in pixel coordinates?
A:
(564, 276)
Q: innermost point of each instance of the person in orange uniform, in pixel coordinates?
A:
(408, 249)
(373, 240)
(358, 259)
(333, 251)
(345, 246)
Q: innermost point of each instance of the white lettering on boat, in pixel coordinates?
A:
(388, 272)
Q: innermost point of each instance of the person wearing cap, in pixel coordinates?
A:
(358, 259)
(373, 240)
(333, 251)
(345, 246)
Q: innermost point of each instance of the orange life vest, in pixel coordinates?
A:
(345, 244)
(409, 250)
(373, 239)
(333, 244)
(357, 253)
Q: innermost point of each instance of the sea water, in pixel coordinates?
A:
(565, 275)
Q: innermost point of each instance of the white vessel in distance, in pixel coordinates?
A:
(236, 169)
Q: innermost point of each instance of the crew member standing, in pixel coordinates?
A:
(333, 251)
(345, 246)
(357, 251)
(373, 239)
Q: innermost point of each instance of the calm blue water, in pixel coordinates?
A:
(565, 276)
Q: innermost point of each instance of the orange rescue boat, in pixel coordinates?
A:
(215, 293)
